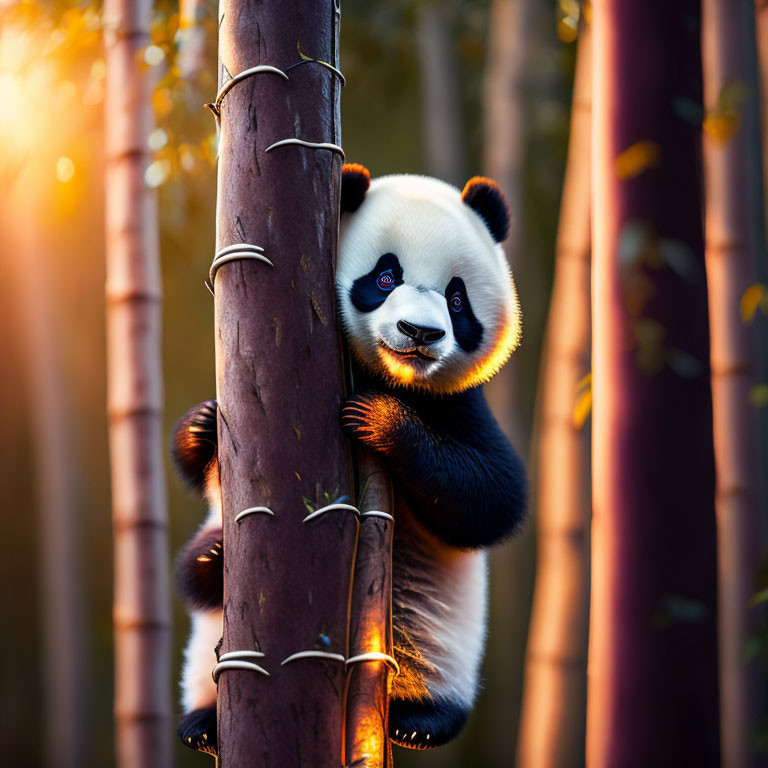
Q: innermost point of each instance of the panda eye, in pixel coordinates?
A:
(455, 302)
(386, 280)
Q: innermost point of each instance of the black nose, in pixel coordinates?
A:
(421, 334)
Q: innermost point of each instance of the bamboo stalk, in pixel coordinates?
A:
(553, 717)
(279, 384)
(731, 255)
(504, 120)
(652, 673)
(441, 121)
(370, 683)
(134, 401)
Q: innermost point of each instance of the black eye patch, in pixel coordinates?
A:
(467, 329)
(368, 292)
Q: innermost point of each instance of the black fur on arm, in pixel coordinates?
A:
(200, 570)
(195, 443)
(464, 479)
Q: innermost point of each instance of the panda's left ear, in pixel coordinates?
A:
(355, 180)
(485, 197)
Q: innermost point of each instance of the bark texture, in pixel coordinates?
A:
(369, 684)
(134, 401)
(652, 687)
(555, 694)
(730, 154)
(279, 387)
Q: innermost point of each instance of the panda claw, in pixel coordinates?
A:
(425, 725)
(197, 730)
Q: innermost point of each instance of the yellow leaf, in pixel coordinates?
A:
(721, 126)
(758, 395)
(585, 382)
(582, 408)
(755, 296)
(567, 29)
(638, 158)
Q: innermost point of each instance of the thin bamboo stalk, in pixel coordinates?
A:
(370, 683)
(441, 119)
(731, 256)
(61, 584)
(554, 698)
(134, 401)
(504, 121)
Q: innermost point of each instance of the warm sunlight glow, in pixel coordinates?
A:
(26, 83)
(154, 55)
(65, 169)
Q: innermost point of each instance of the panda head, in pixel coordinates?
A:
(425, 295)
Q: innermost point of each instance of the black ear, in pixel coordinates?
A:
(485, 197)
(355, 180)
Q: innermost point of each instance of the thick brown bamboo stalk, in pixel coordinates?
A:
(369, 683)
(279, 382)
(134, 401)
(441, 119)
(553, 719)
(652, 677)
(731, 256)
(504, 121)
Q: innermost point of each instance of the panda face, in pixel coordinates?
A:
(425, 295)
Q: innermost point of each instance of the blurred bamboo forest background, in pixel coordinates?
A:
(419, 98)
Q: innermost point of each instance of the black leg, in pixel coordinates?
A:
(200, 570)
(425, 724)
(197, 730)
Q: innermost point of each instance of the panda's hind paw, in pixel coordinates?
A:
(427, 724)
(197, 730)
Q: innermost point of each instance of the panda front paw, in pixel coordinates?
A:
(374, 418)
(197, 730)
(195, 443)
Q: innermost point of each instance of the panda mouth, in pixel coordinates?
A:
(411, 354)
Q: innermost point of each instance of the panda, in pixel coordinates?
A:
(429, 311)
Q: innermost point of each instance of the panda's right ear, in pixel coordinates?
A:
(355, 180)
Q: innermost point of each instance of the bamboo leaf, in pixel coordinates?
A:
(582, 408)
(638, 158)
(758, 395)
(760, 597)
(755, 296)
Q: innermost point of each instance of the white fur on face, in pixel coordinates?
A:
(436, 237)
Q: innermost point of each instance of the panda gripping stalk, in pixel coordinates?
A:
(279, 379)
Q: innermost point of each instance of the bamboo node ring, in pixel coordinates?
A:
(310, 144)
(309, 60)
(230, 655)
(331, 508)
(235, 253)
(314, 655)
(240, 516)
(375, 656)
(215, 106)
(235, 660)
(378, 513)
